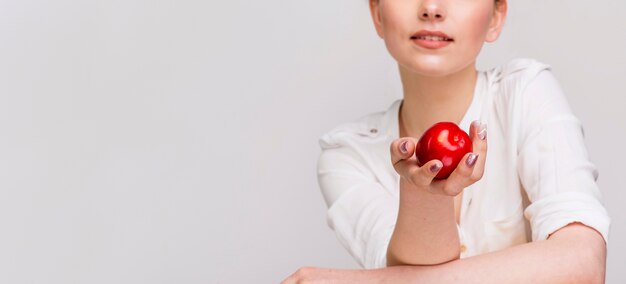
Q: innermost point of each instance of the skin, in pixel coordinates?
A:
(425, 231)
(438, 86)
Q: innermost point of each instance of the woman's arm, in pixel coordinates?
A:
(426, 232)
(574, 254)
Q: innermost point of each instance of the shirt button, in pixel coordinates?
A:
(463, 248)
(373, 130)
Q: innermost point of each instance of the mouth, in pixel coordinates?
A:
(431, 39)
(431, 36)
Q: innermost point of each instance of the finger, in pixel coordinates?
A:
(290, 280)
(402, 148)
(297, 276)
(461, 177)
(423, 176)
(479, 142)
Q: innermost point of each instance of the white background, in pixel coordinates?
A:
(176, 141)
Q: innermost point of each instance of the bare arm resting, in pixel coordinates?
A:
(574, 254)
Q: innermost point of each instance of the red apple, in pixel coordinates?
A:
(446, 142)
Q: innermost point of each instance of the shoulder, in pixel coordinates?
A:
(357, 151)
(365, 129)
(523, 81)
(527, 96)
(527, 81)
(353, 130)
(517, 69)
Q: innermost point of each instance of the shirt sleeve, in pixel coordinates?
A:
(553, 163)
(361, 212)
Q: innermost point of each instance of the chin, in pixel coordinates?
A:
(430, 69)
(433, 66)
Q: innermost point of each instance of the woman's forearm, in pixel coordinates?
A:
(577, 255)
(426, 231)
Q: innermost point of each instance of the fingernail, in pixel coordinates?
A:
(403, 148)
(435, 168)
(482, 131)
(471, 160)
(476, 124)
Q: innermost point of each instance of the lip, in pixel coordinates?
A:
(431, 44)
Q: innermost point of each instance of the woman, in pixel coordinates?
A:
(525, 209)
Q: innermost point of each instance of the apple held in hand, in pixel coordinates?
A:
(446, 142)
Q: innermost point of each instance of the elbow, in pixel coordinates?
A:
(591, 266)
(597, 279)
(596, 272)
(588, 248)
(595, 261)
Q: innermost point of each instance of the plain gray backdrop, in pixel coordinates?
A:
(176, 141)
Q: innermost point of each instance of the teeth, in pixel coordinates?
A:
(432, 38)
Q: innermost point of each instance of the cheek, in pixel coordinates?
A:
(392, 22)
(397, 28)
(476, 25)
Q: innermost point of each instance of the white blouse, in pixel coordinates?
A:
(537, 179)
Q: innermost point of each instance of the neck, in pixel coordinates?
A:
(428, 100)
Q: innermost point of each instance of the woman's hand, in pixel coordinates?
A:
(469, 170)
(316, 275)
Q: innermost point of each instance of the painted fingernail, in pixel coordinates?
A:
(471, 160)
(403, 148)
(482, 131)
(435, 168)
(476, 124)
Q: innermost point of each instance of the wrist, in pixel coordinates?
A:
(411, 194)
(419, 205)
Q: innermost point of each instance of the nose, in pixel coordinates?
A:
(432, 10)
